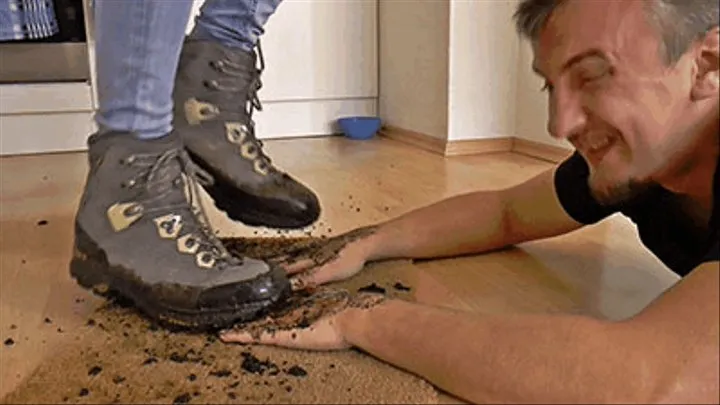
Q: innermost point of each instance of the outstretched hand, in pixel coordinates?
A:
(324, 261)
(312, 322)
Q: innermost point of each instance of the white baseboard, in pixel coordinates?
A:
(538, 150)
(29, 128)
(287, 119)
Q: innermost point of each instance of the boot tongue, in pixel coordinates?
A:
(161, 160)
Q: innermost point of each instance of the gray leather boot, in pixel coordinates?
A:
(141, 232)
(215, 96)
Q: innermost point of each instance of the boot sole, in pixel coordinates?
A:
(97, 275)
(241, 206)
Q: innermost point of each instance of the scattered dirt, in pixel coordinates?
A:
(400, 287)
(9, 342)
(372, 288)
(192, 368)
(95, 370)
(290, 250)
(42, 222)
(118, 356)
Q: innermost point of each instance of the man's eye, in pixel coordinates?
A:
(590, 75)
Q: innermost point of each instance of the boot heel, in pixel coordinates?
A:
(89, 274)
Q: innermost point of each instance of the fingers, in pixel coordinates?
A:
(314, 278)
(276, 338)
(298, 266)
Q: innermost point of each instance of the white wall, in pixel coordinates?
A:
(413, 50)
(457, 70)
(483, 67)
(320, 64)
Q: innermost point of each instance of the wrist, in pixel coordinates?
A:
(375, 245)
(355, 322)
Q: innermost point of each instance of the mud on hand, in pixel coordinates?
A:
(309, 321)
(322, 261)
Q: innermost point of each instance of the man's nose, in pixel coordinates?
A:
(567, 117)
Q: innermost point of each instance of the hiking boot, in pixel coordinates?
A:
(215, 96)
(141, 232)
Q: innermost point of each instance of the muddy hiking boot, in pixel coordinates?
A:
(141, 233)
(215, 97)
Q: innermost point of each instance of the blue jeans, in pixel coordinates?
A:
(138, 45)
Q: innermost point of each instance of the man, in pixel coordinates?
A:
(175, 112)
(633, 85)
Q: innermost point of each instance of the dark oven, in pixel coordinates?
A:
(58, 57)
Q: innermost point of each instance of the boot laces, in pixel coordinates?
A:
(158, 181)
(234, 83)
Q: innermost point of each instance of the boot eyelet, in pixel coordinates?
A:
(217, 64)
(128, 184)
(188, 244)
(210, 84)
(205, 260)
(249, 151)
(128, 160)
(132, 210)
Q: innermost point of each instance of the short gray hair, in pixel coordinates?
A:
(679, 22)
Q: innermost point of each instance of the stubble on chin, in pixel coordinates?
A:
(610, 192)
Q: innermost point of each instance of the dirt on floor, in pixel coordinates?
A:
(119, 356)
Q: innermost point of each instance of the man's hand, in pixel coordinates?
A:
(334, 259)
(323, 334)
(314, 322)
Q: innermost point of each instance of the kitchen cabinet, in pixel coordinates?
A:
(320, 64)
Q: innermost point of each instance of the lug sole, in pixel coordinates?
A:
(239, 206)
(251, 210)
(95, 274)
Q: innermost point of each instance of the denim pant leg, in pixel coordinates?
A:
(233, 23)
(138, 47)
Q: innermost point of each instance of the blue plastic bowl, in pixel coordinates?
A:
(359, 127)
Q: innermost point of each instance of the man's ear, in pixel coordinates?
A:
(707, 65)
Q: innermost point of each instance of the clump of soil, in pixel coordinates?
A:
(372, 288)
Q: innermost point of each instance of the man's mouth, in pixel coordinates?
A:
(596, 149)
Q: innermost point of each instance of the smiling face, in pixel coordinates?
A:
(610, 92)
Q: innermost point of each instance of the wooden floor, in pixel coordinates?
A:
(602, 269)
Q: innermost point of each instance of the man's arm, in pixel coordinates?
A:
(475, 222)
(667, 353)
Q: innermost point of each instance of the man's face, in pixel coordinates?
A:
(610, 92)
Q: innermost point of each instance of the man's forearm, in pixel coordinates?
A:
(465, 224)
(539, 358)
